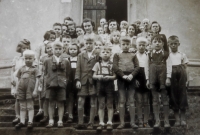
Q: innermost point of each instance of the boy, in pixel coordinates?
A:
(56, 70)
(72, 30)
(123, 28)
(137, 23)
(68, 20)
(159, 75)
(179, 78)
(84, 81)
(102, 21)
(64, 30)
(27, 87)
(104, 75)
(79, 31)
(142, 93)
(57, 27)
(126, 67)
(66, 41)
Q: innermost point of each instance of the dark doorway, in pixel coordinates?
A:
(116, 9)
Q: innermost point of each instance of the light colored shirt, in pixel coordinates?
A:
(143, 60)
(57, 59)
(73, 64)
(178, 58)
(105, 68)
(89, 54)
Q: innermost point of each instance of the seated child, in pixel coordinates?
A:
(18, 62)
(123, 28)
(73, 51)
(179, 78)
(105, 76)
(159, 75)
(126, 67)
(28, 76)
(44, 101)
(84, 81)
(142, 92)
(56, 70)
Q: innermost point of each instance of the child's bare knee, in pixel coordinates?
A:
(101, 105)
(109, 106)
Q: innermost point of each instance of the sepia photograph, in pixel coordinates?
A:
(99, 67)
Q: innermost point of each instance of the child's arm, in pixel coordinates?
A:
(68, 69)
(169, 71)
(113, 77)
(136, 69)
(95, 74)
(78, 72)
(116, 69)
(36, 88)
(146, 70)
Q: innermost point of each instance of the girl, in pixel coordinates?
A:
(18, 62)
(43, 93)
(41, 51)
(132, 34)
(73, 51)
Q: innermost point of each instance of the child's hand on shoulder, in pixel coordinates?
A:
(78, 85)
(168, 82)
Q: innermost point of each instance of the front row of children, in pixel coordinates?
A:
(93, 75)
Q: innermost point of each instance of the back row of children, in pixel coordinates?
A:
(102, 67)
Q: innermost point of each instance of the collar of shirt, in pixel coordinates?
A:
(57, 58)
(154, 51)
(27, 68)
(89, 54)
(73, 58)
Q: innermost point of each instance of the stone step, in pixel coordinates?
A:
(73, 131)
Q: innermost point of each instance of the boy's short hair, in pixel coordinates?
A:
(125, 39)
(173, 37)
(22, 43)
(99, 41)
(158, 25)
(141, 39)
(72, 23)
(137, 21)
(158, 37)
(64, 24)
(88, 20)
(57, 44)
(68, 18)
(29, 52)
(78, 49)
(89, 38)
(57, 24)
(64, 36)
(106, 48)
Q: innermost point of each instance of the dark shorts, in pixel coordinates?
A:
(25, 88)
(87, 89)
(141, 78)
(157, 75)
(105, 88)
(57, 93)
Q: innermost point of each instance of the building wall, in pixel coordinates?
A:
(30, 19)
(177, 17)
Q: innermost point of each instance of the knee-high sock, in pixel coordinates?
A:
(92, 114)
(80, 115)
(156, 112)
(146, 113)
(166, 112)
(121, 114)
(132, 113)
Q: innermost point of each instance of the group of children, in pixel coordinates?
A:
(116, 68)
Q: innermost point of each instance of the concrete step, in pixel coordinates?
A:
(73, 131)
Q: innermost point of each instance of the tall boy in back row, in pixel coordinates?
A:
(179, 78)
